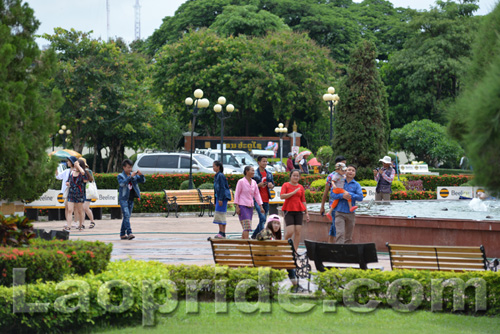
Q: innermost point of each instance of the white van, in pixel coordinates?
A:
(175, 163)
(236, 159)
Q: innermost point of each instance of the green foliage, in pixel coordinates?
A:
(85, 256)
(107, 94)
(52, 260)
(414, 195)
(361, 123)
(475, 119)
(318, 185)
(47, 265)
(431, 182)
(331, 285)
(15, 231)
(325, 155)
(397, 186)
(27, 107)
(313, 196)
(425, 76)
(207, 185)
(428, 141)
(368, 183)
(281, 66)
(185, 185)
(246, 20)
(138, 275)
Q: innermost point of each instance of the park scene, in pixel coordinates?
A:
(282, 166)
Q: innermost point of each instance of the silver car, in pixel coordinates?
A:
(175, 163)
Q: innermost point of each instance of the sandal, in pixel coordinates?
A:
(66, 228)
(92, 225)
(81, 227)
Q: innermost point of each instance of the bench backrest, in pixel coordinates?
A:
(361, 254)
(444, 258)
(277, 254)
(209, 192)
(190, 195)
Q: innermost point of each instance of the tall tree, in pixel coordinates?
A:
(277, 77)
(27, 111)
(424, 77)
(106, 91)
(475, 118)
(362, 124)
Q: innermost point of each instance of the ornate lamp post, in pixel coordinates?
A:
(198, 105)
(219, 111)
(332, 99)
(64, 134)
(281, 131)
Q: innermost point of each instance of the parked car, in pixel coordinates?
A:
(236, 159)
(175, 163)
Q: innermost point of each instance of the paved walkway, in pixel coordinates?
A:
(169, 240)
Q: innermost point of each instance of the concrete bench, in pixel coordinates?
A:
(441, 258)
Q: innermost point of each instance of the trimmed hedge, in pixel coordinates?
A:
(51, 260)
(443, 171)
(333, 282)
(159, 182)
(140, 277)
(413, 195)
(431, 182)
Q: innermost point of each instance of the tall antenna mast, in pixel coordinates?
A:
(137, 20)
(107, 17)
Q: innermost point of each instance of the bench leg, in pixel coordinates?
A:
(176, 210)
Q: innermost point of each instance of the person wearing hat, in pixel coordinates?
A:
(272, 231)
(384, 177)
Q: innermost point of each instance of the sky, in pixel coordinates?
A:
(87, 15)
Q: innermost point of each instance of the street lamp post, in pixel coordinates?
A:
(64, 132)
(332, 99)
(281, 131)
(219, 111)
(198, 105)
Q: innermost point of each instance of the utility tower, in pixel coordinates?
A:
(137, 20)
(107, 17)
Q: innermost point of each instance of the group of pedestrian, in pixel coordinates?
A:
(74, 179)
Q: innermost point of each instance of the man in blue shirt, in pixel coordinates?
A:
(344, 218)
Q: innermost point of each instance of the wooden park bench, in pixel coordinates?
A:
(207, 195)
(276, 254)
(442, 258)
(342, 255)
(176, 198)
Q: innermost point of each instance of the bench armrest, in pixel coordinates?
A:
(493, 265)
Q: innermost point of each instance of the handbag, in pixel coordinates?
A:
(91, 190)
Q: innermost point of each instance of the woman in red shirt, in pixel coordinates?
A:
(295, 204)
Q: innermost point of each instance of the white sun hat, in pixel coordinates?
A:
(386, 160)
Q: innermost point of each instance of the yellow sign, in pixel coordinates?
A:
(60, 198)
(364, 192)
(444, 193)
(273, 194)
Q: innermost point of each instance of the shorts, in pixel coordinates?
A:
(293, 218)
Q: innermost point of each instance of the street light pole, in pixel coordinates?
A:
(64, 134)
(199, 105)
(331, 99)
(219, 111)
(281, 131)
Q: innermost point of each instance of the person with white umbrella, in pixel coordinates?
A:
(302, 161)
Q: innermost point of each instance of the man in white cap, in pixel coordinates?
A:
(384, 177)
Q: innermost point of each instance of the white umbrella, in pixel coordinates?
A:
(302, 155)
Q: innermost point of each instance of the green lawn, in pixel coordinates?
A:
(384, 321)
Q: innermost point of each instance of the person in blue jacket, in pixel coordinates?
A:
(344, 218)
(222, 195)
(128, 182)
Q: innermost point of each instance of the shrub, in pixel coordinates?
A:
(47, 265)
(431, 182)
(185, 185)
(334, 281)
(413, 195)
(207, 185)
(368, 183)
(85, 256)
(318, 185)
(15, 231)
(397, 185)
(414, 185)
(133, 273)
(313, 196)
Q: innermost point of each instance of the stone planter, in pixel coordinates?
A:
(413, 231)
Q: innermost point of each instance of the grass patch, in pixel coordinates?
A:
(343, 320)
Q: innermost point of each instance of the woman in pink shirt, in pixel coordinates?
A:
(246, 191)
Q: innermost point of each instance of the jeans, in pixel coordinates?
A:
(127, 207)
(262, 218)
